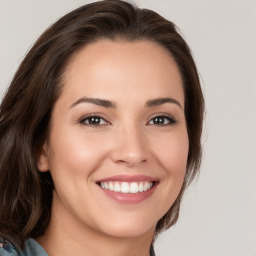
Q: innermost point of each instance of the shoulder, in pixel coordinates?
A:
(7, 249)
(152, 251)
(32, 248)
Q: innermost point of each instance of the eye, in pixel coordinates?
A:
(93, 121)
(162, 120)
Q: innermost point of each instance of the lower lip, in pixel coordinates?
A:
(129, 198)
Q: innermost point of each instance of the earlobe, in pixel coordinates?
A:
(43, 160)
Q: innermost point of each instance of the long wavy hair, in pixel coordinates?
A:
(25, 112)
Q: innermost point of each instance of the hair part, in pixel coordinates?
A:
(25, 113)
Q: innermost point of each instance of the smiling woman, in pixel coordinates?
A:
(100, 135)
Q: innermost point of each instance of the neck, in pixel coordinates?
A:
(66, 236)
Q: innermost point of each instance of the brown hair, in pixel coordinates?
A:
(25, 113)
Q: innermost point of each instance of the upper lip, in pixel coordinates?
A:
(129, 178)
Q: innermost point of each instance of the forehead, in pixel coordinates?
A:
(140, 67)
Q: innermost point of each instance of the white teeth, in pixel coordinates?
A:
(125, 187)
(117, 187)
(134, 188)
(111, 186)
(141, 189)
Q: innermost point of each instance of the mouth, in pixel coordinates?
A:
(128, 189)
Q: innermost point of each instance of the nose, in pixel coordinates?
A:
(130, 148)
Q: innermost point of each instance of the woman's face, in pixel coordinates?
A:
(118, 144)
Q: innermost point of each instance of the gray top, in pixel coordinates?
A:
(32, 248)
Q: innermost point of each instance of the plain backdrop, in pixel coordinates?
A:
(218, 215)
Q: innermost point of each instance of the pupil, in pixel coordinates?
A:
(94, 120)
(159, 120)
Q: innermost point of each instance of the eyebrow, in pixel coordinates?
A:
(160, 101)
(96, 101)
(110, 104)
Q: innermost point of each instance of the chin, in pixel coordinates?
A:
(129, 230)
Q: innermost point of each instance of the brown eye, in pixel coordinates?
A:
(94, 121)
(162, 120)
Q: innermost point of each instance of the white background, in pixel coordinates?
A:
(218, 215)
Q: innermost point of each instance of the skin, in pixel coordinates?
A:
(126, 141)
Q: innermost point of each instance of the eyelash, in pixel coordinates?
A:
(96, 120)
(91, 118)
(170, 120)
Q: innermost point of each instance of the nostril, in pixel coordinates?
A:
(130, 152)
(131, 161)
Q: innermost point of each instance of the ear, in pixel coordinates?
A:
(43, 159)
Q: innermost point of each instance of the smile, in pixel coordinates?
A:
(127, 187)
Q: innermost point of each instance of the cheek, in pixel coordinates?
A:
(70, 155)
(172, 153)
(74, 158)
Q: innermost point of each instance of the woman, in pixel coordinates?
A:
(100, 135)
